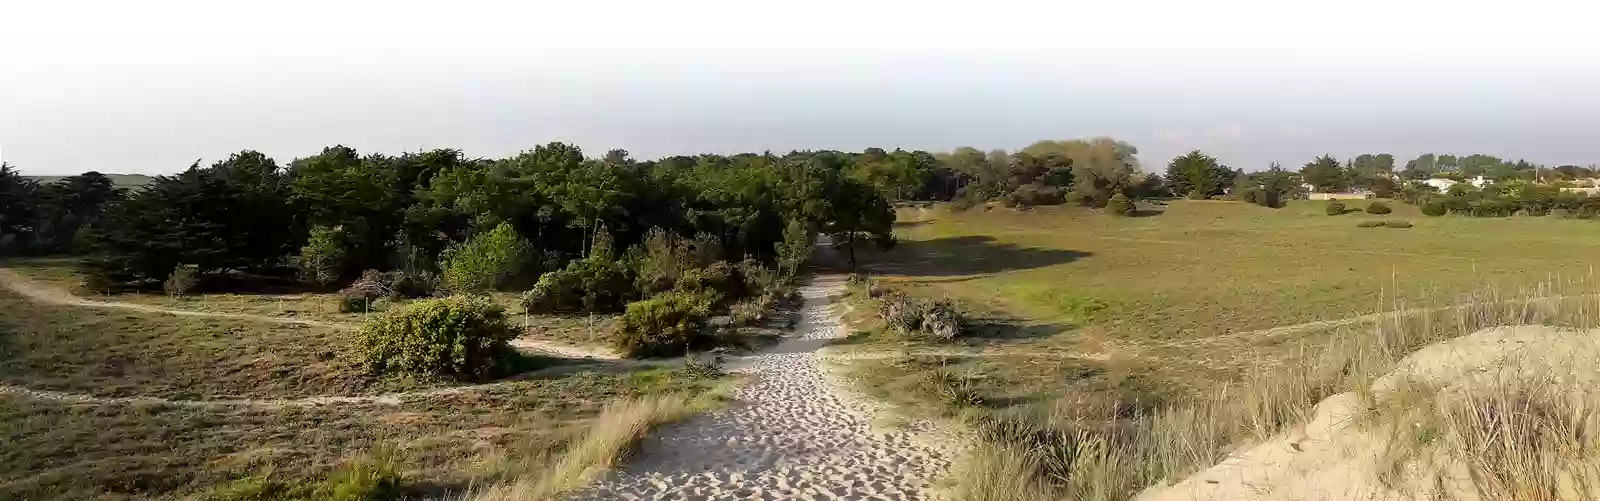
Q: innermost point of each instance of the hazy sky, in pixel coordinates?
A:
(150, 86)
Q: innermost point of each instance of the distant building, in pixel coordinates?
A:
(1479, 182)
(1441, 184)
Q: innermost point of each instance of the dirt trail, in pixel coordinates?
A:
(794, 433)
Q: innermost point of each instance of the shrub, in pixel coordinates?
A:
(359, 296)
(758, 279)
(457, 337)
(1029, 195)
(940, 320)
(754, 310)
(1434, 207)
(1369, 224)
(795, 248)
(1120, 205)
(1397, 223)
(484, 262)
(720, 278)
(665, 325)
(322, 259)
(183, 280)
(584, 285)
(1377, 207)
(1335, 208)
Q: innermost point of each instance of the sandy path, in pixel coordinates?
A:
(791, 434)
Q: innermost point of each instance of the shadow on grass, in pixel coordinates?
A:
(966, 255)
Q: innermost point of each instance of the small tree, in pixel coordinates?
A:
(183, 280)
(1120, 205)
(1377, 207)
(795, 248)
(322, 259)
(483, 262)
(1335, 208)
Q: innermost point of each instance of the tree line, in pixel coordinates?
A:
(248, 216)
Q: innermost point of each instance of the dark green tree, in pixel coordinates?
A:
(1325, 175)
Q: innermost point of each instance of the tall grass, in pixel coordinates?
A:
(1535, 441)
(603, 446)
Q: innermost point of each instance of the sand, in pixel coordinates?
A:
(1331, 458)
(792, 433)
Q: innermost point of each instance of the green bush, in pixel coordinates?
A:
(1120, 205)
(1377, 207)
(323, 259)
(1397, 223)
(665, 325)
(484, 262)
(1335, 208)
(593, 285)
(456, 337)
(1369, 224)
(183, 280)
(1434, 207)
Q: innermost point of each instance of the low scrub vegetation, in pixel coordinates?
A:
(1377, 207)
(1334, 208)
(665, 325)
(456, 337)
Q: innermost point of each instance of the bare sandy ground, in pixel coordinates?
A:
(793, 433)
(1331, 458)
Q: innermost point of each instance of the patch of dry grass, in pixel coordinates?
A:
(602, 447)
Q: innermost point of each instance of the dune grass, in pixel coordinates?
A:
(602, 447)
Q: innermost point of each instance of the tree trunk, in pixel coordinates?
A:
(851, 241)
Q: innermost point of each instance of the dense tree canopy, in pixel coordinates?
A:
(1197, 175)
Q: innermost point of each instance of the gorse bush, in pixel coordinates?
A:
(183, 280)
(665, 325)
(1369, 224)
(1397, 223)
(1335, 208)
(456, 337)
(589, 285)
(1377, 207)
(484, 262)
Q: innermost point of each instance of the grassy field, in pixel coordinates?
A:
(221, 425)
(1175, 298)
(1107, 354)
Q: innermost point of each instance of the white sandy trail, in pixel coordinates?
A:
(791, 434)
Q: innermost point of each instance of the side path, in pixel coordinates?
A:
(791, 434)
(51, 295)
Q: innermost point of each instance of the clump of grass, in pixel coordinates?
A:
(372, 477)
(603, 446)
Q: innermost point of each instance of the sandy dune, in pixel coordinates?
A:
(1330, 457)
(793, 433)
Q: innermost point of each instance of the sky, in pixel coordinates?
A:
(150, 87)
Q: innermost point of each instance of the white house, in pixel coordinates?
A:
(1440, 183)
(1479, 182)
